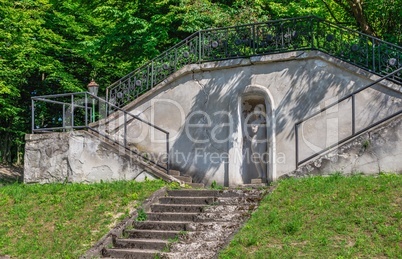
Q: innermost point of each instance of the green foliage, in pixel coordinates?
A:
(142, 215)
(216, 186)
(325, 217)
(63, 220)
(50, 46)
(174, 186)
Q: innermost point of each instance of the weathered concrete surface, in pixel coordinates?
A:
(76, 157)
(202, 236)
(200, 106)
(379, 150)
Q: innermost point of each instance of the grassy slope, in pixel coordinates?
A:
(63, 220)
(331, 217)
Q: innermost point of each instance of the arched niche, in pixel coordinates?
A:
(256, 132)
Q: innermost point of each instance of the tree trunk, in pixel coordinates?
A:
(357, 10)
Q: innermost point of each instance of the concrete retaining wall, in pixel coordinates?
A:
(379, 150)
(76, 157)
(201, 106)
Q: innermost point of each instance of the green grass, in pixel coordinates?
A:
(63, 220)
(325, 217)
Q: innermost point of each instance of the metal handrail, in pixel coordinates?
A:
(85, 124)
(300, 33)
(354, 133)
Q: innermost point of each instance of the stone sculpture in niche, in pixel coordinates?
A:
(255, 138)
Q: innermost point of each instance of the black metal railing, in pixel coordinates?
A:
(74, 111)
(303, 33)
(354, 130)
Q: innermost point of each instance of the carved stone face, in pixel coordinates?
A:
(254, 127)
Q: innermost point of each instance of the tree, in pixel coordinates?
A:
(51, 46)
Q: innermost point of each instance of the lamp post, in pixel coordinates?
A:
(93, 88)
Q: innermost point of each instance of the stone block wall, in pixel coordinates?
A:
(76, 157)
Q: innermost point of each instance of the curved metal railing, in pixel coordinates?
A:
(355, 130)
(75, 111)
(303, 33)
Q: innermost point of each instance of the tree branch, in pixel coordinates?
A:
(358, 13)
(332, 13)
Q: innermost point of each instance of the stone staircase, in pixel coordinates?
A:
(188, 180)
(186, 223)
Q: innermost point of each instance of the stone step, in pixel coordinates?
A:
(186, 179)
(187, 200)
(197, 246)
(214, 193)
(207, 226)
(197, 217)
(207, 235)
(174, 172)
(192, 193)
(201, 208)
(181, 225)
(162, 225)
(191, 254)
(171, 216)
(150, 244)
(196, 185)
(130, 253)
(150, 234)
(210, 200)
(221, 217)
(240, 208)
(254, 185)
(177, 208)
(238, 200)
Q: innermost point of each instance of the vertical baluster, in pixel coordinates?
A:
(152, 74)
(64, 117)
(167, 153)
(353, 115)
(86, 111)
(72, 112)
(297, 145)
(199, 47)
(125, 129)
(33, 115)
(254, 39)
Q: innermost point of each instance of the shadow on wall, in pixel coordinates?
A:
(202, 152)
(374, 103)
(201, 147)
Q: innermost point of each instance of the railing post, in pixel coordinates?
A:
(64, 117)
(353, 115)
(86, 111)
(199, 47)
(254, 39)
(72, 112)
(33, 115)
(152, 73)
(175, 60)
(297, 145)
(312, 32)
(107, 94)
(373, 53)
(125, 129)
(167, 153)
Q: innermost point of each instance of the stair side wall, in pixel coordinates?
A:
(76, 157)
(376, 151)
(199, 107)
